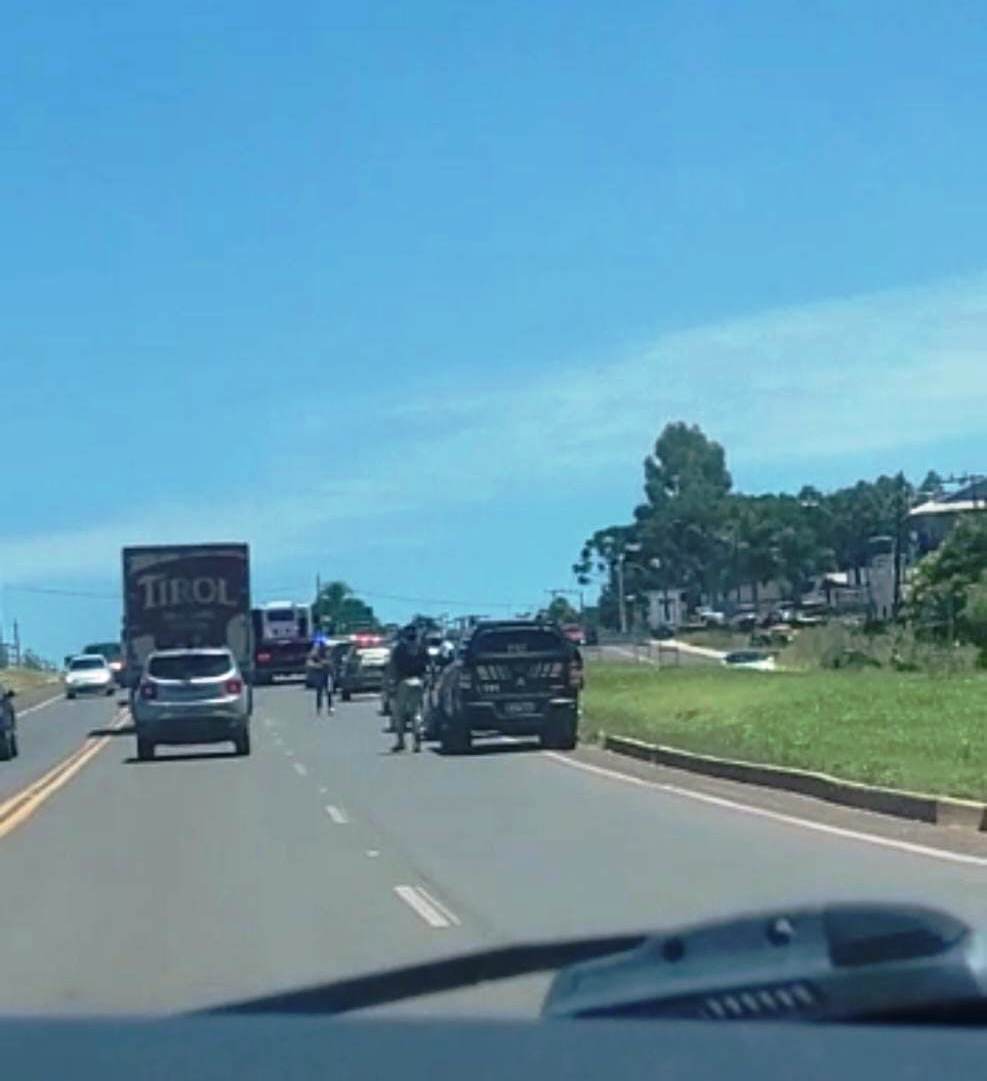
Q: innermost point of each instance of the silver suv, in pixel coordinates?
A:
(191, 696)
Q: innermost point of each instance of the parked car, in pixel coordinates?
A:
(755, 659)
(192, 696)
(8, 725)
(711, 617)
(88, 673)
(518, 677)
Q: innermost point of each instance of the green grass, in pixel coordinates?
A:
(25, 679)
(905, 730)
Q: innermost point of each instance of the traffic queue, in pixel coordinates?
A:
(509, 677)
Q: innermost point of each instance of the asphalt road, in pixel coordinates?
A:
(202, 877)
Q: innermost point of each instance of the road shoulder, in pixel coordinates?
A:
(784, 804)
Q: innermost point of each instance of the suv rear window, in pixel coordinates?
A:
(83, 663)
(521, 640)
(190, 666)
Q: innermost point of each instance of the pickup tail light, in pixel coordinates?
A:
(234, 685)
(263, 658)
(148, 690)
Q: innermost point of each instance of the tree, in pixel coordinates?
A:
(338, 609)
(561, 611)
(947, 596)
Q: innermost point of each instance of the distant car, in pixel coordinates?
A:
(113, 652)
(662, 632)
(575, 633)
(592, 635)
(192, 696)
(8, 725)
(744, 621)
(711, 617)
(89, 673)
(363, 670)
(755, 659)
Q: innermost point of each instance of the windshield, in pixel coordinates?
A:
(83, 664)
(542, 483)
(190, 666)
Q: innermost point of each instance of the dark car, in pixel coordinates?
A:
(519, 678)
(8, 725)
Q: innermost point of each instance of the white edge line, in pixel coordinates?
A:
(776, 816)
(300, 769)
(439, 906)
(40, 705)
(411, 897)
(337, 814)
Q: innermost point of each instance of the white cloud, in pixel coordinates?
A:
(825, 380)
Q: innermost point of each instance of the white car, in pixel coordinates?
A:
(88, 673)
(753, 659)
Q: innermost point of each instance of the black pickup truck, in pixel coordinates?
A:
(519, 678)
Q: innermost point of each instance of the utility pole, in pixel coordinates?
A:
(17, 645)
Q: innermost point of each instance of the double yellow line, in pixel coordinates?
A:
(17, 809)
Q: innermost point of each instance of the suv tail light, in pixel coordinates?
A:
(148, 690)
(234, 685)
(263, 658)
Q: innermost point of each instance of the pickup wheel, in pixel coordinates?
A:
(242, 743)
(145, 749)
(560, 735)
(455, 740)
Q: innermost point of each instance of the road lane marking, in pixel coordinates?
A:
(372, 853)
(300, 769)
(289, 752)
(439, 906)
(775, 816)
(337, 814)
(323, 790)
(416, 900)
(17, 809)
(40, 705)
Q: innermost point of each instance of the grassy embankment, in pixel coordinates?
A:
(920, 731)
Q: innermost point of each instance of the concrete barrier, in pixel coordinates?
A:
(940, 810)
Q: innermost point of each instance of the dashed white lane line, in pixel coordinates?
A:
(337, 814)
(41, 705)
(323, 790)
(372, 853)
(419, 902)
(775, 816)
(439, 906)
(300, 769)
(289, 752)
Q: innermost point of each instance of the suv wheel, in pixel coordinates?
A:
(145, 749)
(242, 743)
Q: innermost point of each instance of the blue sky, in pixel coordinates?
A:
(402, 293)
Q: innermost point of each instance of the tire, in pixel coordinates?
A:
(14, 747)
(6, 751)
(70, 695)
(145, 749)
(347, 696)
(109, 691)
(242, 743)
(455, 740)
(561, 735)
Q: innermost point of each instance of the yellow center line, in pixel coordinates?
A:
(19, 808)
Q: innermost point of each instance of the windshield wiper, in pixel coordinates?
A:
(839, 963)
(432, 977)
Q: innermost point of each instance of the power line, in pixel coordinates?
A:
(62, 592)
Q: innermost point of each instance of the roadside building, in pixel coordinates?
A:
(932, 521)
